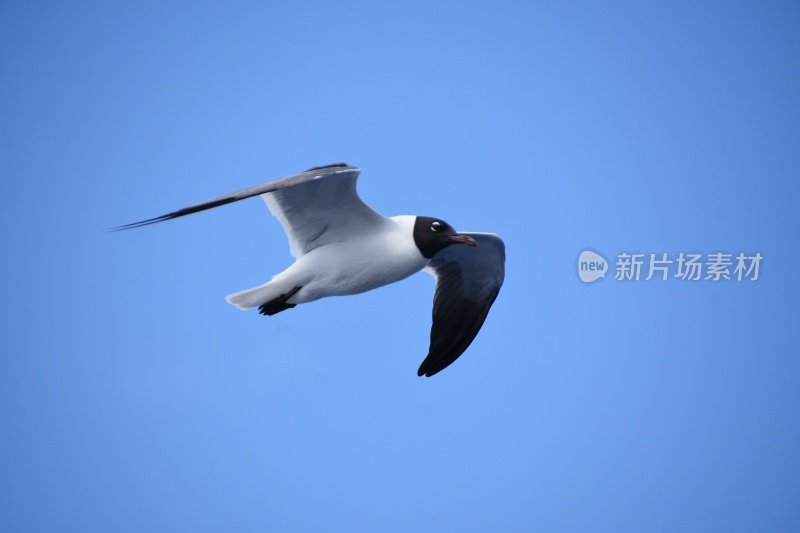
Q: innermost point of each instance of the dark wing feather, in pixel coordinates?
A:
(467, 283)
(289, 181)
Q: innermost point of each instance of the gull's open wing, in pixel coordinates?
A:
(315, 207)
(467, 283)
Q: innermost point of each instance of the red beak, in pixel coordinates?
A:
(464, 239)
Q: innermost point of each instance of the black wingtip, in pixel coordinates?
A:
(425, 370)
(139, 224)
(180, 213)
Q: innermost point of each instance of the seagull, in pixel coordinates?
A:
(342, 246)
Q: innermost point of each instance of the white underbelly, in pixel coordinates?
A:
(339, 269)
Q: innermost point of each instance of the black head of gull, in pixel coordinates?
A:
(342, 246)
(432, 235)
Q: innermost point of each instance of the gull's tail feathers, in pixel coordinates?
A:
(270, 298)
(250, 298)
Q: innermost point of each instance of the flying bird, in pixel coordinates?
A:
(342, 246)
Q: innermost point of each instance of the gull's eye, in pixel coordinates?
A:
(436, 226)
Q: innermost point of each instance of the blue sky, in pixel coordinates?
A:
(133, 397)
